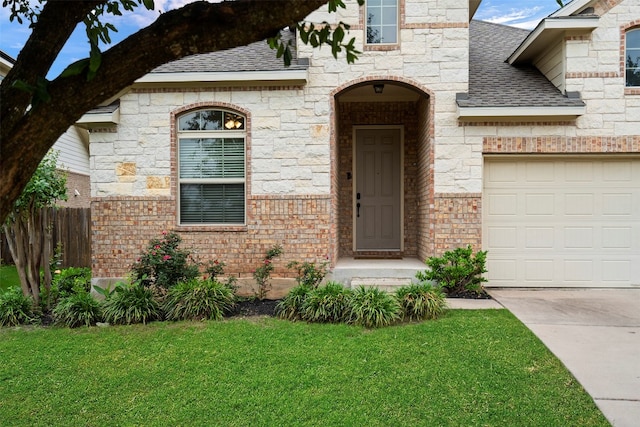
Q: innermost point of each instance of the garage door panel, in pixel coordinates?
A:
(562, 222)
(539, 237)
(616, 271)
(617, 237)
(579, 204)
(578, 237)
(540, 204)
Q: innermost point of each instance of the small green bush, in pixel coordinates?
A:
(309, 273)
(15, 308)
(66, 282)
(77, 309)
(457, 271)
(421, 302)
(131, 304)
(372, 308)
(290, 308)
(163, 264)
(199, 299)
(327, 304)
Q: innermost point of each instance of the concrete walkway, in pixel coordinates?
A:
(596, 334)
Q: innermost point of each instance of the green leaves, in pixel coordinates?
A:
(457, 271)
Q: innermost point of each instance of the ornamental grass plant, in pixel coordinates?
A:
(15, 307)
(199, 299)
(372, 308)
(77, 309)
(421, 302)
(129, 304)
(328, 303)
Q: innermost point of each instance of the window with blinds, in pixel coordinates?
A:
(211, 167)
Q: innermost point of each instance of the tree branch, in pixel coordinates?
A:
(195, 28)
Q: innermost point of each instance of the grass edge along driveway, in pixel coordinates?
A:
(470, 368)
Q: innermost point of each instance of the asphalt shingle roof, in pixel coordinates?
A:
(495, 83)
(253, 57)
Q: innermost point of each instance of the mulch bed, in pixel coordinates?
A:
(255, 307)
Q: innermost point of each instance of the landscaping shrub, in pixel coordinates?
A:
(290, 308)
(77, 309)
(262, 274)
(421, 302)
(198, 299)
(327, 304)
(71, 280)
(66, 282)
(129, 304)
(163, 264)
(15, 308)
(457, 271)
(372, 308)
(308, 273)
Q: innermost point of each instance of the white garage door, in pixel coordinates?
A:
(562, 222)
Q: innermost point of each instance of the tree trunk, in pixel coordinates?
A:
(47, 242)
(15, 237)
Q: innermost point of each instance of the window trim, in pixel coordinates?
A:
(624, 62)
(211, 134)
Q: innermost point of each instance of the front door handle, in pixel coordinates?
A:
(358, 209)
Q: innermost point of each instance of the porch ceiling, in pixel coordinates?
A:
(390, 93)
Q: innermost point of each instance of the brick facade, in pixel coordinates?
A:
(78, 191)
(122, 228)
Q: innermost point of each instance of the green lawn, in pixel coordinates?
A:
(470, 368)
(8, 277)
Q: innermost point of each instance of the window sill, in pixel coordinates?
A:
(632, 90)
(381, 47)
(212, 228)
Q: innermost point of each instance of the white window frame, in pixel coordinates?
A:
(397, 25)
(626, 48)
(211, 134)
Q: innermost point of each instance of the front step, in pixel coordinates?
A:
(384, 284)
(385, 274)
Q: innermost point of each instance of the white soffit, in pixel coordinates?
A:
(220, 77)
(548, 30)
(525, 113)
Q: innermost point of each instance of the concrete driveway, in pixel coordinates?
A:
(596, 334)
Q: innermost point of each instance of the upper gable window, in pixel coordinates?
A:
(632, 58)
(211, 167)
(382, 21)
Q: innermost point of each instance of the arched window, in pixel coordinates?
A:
(632, 58)
(211, 167)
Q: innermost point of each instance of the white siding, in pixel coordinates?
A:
(551, 64)
(74, 151)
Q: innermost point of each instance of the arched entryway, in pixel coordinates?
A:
(383, 169)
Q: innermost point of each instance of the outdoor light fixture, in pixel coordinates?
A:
(378, 88)
(233, 122)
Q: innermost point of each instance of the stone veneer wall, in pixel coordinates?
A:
(123, 226)
(377, 113)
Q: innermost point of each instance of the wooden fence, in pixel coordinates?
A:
(72, 229)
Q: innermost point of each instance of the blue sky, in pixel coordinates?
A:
(518, 13)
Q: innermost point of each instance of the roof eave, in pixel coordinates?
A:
(520, 113)
(547, 30)
(297, 76)
(95, 120)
